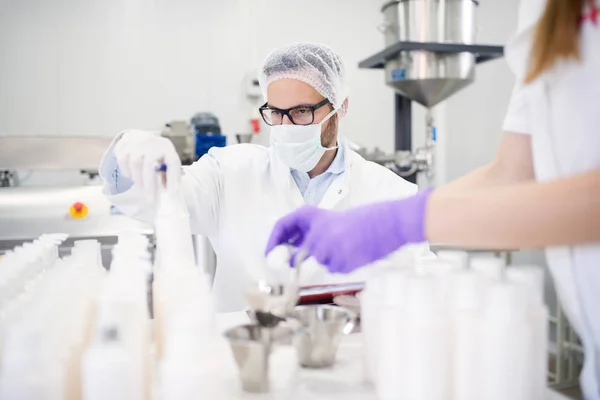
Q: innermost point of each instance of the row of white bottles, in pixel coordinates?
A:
(45, 338)
(20, 270)
(450, 329)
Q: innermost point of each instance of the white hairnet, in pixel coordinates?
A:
(314, 64)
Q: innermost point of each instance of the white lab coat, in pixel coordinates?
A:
(234, 196)
(561, 112)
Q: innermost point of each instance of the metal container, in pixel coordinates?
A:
(321, 328)
(251, 346)
(423, 76)
(244, 137)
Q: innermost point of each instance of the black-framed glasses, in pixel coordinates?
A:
(299, 115)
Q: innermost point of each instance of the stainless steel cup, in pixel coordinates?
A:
(320, 329)
(271, 302)
(252, 346)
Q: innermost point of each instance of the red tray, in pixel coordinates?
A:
(326, 293)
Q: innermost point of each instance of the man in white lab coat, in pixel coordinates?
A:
(234, 195)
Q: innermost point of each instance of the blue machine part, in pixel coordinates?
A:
(207, 133)
(204, 142)
(434, 133)
(399, 74)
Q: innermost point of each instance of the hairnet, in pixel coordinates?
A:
(314, 64)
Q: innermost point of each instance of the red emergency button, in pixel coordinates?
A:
(78, 210)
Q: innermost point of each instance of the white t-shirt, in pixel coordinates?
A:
(561, 112)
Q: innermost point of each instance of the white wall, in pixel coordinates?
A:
(72, 67)
(474, 115)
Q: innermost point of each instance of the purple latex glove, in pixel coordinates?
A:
(346, 240)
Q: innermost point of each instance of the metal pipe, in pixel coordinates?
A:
(403, 131)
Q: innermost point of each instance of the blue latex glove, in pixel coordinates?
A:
(345, 240)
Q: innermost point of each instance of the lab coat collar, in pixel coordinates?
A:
(338, 165)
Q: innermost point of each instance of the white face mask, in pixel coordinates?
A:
(299, 146)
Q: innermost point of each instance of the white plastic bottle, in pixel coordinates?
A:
(491, 268)
(506, 336)
(424, 371)
(173, 233)
(532, 277)
(440, 272)
(390, 335)
(28, 370)
(189, 368)
(109, 370)
(370, 307)
(467, 300)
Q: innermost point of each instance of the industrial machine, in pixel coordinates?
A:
(207, 132)
(193, 139)
(74, 207)
(183, 138)
(430, 54)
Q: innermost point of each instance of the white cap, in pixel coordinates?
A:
(457, 257)
(438, 267)
(404, 258)
(531, 276)
(489, 267)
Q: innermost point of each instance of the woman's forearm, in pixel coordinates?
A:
(512, 164)
(523, 215)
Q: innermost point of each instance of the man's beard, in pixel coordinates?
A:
(329, 133)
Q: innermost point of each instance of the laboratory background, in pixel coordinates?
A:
(75, 73)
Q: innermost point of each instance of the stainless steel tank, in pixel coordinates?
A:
(423, 76)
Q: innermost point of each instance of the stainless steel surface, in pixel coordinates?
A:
(426, 77)
(244, 137)
(322, 327)
(52, 153)
(26, 213)
(568, 358)
(251, 346)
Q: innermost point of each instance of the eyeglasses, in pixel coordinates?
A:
(300, 115)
